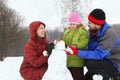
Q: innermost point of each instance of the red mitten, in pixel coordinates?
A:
(71, 50)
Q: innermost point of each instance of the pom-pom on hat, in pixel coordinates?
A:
(74, 18)
(97, 16)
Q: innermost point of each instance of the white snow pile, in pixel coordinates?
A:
(57, 69)
(97, 77)
(9, 68)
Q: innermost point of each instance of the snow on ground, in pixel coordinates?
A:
(9, 68)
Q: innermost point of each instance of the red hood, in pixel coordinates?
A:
(33, 28)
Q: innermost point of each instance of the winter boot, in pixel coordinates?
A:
(97, 77)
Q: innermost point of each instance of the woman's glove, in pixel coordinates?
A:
(71, 50)
(48, 51)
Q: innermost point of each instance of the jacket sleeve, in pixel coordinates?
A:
(103, 49)
(32, 57)
(97, 54)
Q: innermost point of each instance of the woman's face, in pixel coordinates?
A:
(41, 31)
(73, 25)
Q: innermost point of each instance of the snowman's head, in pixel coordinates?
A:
(60, 45)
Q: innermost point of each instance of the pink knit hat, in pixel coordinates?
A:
(74, 18)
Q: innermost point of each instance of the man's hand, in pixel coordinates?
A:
(71, 50)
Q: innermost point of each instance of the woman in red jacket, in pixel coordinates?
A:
(34, 62)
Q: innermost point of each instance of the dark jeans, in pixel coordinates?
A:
(77, 73)
(103, 67)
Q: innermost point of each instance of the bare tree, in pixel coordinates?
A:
(17, 47)
(54, 34)
(10, 22)
(66, 6)
(2, 28)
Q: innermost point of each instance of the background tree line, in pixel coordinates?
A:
(14, 34)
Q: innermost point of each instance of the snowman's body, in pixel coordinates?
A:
(57, 69)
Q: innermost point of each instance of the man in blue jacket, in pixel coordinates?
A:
(102, 56)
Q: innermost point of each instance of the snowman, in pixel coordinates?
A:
(57, 69)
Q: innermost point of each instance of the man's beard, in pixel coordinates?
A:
(93, 30)
(93, 34)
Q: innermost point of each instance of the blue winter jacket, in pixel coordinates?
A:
(106, 46)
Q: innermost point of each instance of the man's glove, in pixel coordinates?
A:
(48, 51)
(50, 47)
(71, 50)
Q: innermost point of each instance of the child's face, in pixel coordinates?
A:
(41, 31)
(73, 25)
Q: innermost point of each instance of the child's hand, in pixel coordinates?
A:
(71, 50)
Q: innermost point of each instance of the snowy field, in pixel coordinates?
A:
(9, 68)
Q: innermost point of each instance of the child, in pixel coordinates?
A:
(34, 62)
(76, 35)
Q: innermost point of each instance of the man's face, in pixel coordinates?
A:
(93, 26)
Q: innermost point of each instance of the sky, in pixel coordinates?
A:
(46, 11)
(43, 10)
(111, 8)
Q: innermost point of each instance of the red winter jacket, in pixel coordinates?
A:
(34, 62)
